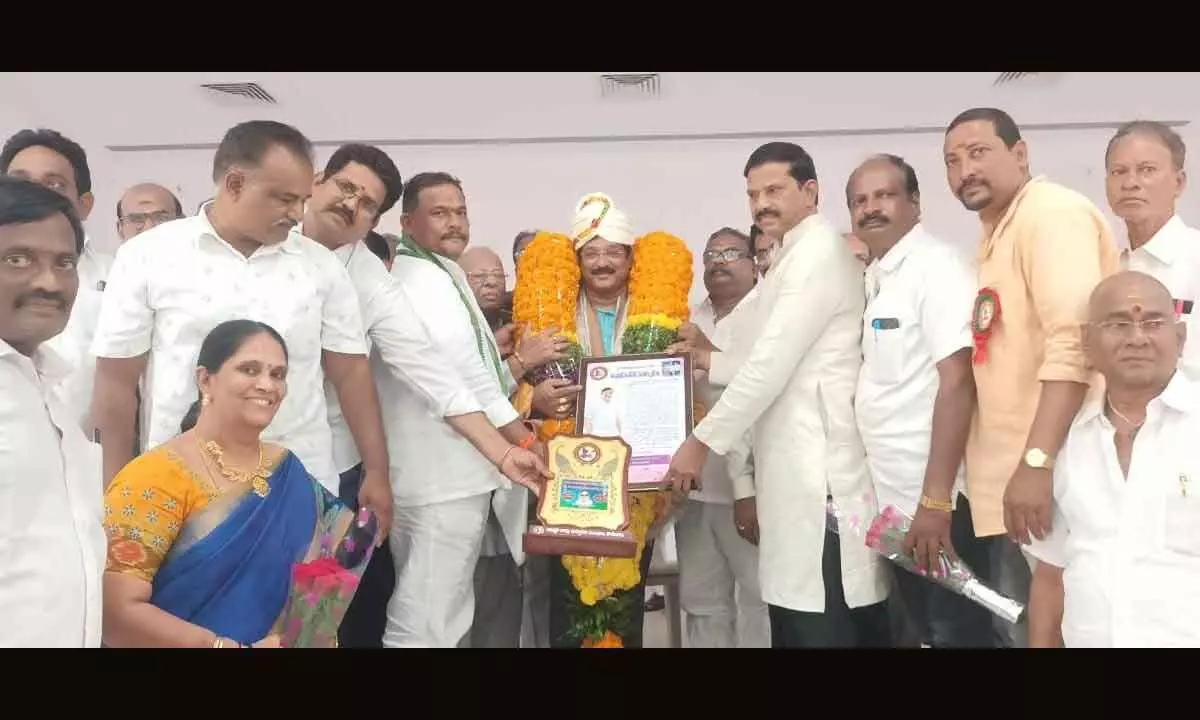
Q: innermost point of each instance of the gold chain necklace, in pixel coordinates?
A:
(257, 478)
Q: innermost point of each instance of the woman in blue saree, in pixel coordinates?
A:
(205, 529)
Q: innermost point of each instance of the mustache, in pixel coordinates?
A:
(40, 295)
(606, 270)
(873, 219)
(346, 213)
(454, 236)
(765, 214)
(714, 272)
(968, 184)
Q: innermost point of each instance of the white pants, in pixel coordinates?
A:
(718, 580)
(435, 548)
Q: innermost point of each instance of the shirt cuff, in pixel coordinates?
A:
(705, 434)
(459, 403)
(743, 486)
(501, 412)
(1064, 371)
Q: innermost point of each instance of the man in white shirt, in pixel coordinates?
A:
(716, 532)
(144, 206)
(916, 390)
(443, 486)
(795, 388)
(59, 163)
(1121, 564)
(50, 487)
(238, 258)
(1144, 179)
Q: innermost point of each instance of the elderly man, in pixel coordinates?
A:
(50, 487)
(239, 257)
(442, 484)
(1121, 566)
(717, 530)
(916, 391)
(795, 389)
(59, 163)
(1144, 180)
(145, 206)
(1031, 374)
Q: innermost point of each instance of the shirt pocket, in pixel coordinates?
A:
(1182, 515)
(887, 346)
(297, 315)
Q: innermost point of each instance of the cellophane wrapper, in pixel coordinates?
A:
(322, 589)
(886, 534)
(545, 297)
(659, 283)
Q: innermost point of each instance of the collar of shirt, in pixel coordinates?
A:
(990, 233)
(1167, 244)
(288, 245)
(1179, 395)
(49, 365)
(793, 237)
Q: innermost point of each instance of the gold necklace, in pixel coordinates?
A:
(257, 478)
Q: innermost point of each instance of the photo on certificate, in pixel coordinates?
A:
(646, 400)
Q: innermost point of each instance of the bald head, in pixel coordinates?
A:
(485, 274)
(1133, 337)
(145, 206)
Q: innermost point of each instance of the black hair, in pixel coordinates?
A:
(911, 187)
(377, 244)
(1163, 133)
(24, 201)
(800, 163)
(222, 343)
(178, 205)
(421, 181)
(52, 140)
(247, 143)
(519, 239)
(734, 233)
(755, 231)
(1006, 129)
(375, 160)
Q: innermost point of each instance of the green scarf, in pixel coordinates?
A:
(408, 247)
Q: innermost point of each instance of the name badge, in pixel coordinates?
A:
(885, 323)
(1183, 307)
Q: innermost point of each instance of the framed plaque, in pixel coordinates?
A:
(584, 506)
(646, 400)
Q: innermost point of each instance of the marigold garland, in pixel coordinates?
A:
(547, 296)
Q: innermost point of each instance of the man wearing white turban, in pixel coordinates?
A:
(603, 237)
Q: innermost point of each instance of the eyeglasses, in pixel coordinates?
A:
(1124, 328)
(617, 253)
(150, 219)
(727, 255)
(479, 277)
(350, 191)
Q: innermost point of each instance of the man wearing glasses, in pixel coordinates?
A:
(145, 206)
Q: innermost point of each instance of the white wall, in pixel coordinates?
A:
(689, 184)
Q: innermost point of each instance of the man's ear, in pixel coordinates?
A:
(86, 201)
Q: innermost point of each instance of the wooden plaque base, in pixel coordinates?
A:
(559, 540)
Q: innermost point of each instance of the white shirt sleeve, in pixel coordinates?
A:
(740, 464)
(125, 326)
(947, 304)
(341, 319)
(797, 318)
(406, 349)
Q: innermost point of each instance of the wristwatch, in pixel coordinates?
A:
(1037, 458)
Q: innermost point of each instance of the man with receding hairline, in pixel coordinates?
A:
(1121, 567)
(1144, 180)
(1043, 248)
(145, 206)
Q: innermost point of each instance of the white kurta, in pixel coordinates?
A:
(74, 343)
(920, 299)
(1172, 257)
(52, 542)
(1130, 547)
(172, 284)
(796, 390)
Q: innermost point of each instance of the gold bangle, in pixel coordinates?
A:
(520, 361)
(500, 465)
(939, 505)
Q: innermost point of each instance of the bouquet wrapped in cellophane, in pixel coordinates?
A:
(885, 535)
(659, 283)
(323, 588)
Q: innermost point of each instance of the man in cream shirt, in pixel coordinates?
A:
(796, 390)
(50, 487)
(442, 485)
(717, 530)
(1121, 564)
(916, 390)
(61, 164)
(1144, 179)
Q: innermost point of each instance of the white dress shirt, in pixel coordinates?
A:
(52, 542)
(172, 284)
(729, 477)
(74, 343)
(1172, 257)
(795, 388)
(430, 461)
(920, 297)
(1130, 547)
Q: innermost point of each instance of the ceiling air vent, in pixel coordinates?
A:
(630, 84)
(1007, 77)
(251, 91)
